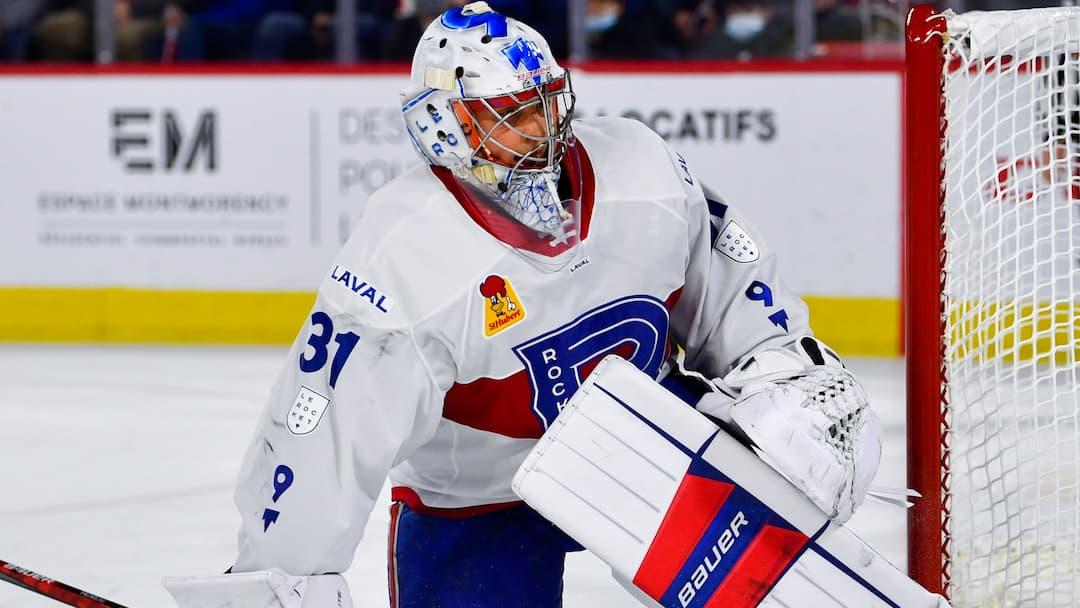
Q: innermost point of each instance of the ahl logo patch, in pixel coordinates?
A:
(735, 243)
(307, 410)
(503, 309)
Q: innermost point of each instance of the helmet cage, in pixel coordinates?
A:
(551, 102)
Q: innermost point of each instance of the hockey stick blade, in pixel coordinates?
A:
(61, 592)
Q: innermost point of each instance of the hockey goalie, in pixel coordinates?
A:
(475, 296)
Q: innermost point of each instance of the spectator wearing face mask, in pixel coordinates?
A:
(749, 30)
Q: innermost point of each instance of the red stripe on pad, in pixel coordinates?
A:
(756, 572)
(696, 503)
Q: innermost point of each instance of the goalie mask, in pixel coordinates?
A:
(487, 102)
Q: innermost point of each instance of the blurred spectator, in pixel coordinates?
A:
(138, 24)
(208, 30)
(300, 31)
(836, 21)
(306, 31)
(749, 30)
(690, 21)
(549, 18)
(65, 33)
(405, 32)
(616, 30)
(16, 21)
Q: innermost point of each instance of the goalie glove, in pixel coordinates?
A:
(809, 418)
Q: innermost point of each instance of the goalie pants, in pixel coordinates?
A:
(507, 559)
(511, 558)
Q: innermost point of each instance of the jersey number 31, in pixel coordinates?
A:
(320, 341)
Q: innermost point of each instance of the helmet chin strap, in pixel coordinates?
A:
(532, 198)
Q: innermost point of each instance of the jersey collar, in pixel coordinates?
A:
(509, 231)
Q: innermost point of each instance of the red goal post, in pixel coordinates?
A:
(992, 304)
(924, 325)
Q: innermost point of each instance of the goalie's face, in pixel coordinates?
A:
(522, 134)
(525, 130)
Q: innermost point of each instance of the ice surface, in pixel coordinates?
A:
(118, 465)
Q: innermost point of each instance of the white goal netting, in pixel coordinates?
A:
(1012, 306)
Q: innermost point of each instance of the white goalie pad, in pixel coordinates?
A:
(690, 516)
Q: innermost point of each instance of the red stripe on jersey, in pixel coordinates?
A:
(673, 299)
(504, 405)
(756, 572)
(671, 302)
(391, 554)
(587, 179)
(499, 405)
(412, 500)
(696, 503)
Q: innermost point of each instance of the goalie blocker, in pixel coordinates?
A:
(686, 516)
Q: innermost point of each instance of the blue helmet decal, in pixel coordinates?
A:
(524, 53)
(455, 19)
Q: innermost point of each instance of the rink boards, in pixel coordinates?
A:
(203, 206)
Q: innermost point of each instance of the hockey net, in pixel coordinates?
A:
(993, 304)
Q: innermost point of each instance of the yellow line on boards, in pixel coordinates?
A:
(147, 316)
(853, 326)
(857, 327)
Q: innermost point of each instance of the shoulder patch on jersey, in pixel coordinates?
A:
(502, 309)
(306, 411)
(375, 297)
(735, 243)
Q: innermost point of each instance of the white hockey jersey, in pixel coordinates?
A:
(437, 354)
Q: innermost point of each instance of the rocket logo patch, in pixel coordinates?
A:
(734, 242)
(502, 308)
(307, 410)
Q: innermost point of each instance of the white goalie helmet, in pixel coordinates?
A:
(487, 102)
